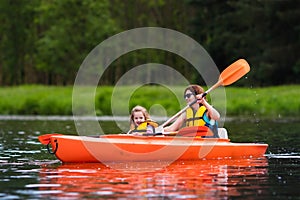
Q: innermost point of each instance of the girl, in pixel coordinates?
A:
(140, 122)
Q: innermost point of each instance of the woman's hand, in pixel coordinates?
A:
(212, 113)
(200, 99)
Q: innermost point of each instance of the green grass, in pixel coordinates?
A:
(36, 99)
(276, 101)
(279, 101)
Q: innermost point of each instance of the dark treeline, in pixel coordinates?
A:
(45, 42)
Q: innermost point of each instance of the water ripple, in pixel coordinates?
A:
(284, 156)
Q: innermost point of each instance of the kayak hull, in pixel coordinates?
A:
(128, 148)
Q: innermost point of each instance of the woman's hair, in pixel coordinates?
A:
(138, 109)
(195, 89)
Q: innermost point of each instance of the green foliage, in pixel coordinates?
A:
(103, 101)
(16, 39)
(146, 96)
(266, 33)
(71, 30)
(33, 100)
(45, 42)
(50, 38)
(275, 102)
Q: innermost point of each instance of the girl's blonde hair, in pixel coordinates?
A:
(138, 108)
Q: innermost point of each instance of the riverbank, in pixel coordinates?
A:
(277, 101)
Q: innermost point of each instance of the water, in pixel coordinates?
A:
(29, 172)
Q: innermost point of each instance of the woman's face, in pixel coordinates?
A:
(138, 118)
(189, 96)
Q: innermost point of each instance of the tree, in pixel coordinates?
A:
(45, 42)
(16, 40)
(69, 29)
(266, 33)
(130, 14)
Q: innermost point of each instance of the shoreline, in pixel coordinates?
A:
(126, 118)
(272, 102)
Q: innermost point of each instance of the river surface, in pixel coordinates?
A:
(28, 171)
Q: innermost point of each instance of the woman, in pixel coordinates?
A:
(199, 114)
(140, 122)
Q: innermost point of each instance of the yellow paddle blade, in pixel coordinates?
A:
(234, 72)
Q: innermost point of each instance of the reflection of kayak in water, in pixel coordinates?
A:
(202, 179)
(124, 147)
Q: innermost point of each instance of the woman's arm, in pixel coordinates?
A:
(177, 124)
(211, 111)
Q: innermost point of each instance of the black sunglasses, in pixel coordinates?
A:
(188, 95)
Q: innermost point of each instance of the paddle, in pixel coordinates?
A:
(230, 75)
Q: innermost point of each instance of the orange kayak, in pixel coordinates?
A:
(128, 148)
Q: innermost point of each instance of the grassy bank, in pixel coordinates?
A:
(283, 101)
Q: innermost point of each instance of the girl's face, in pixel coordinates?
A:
(189, 96)
(138, 118)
